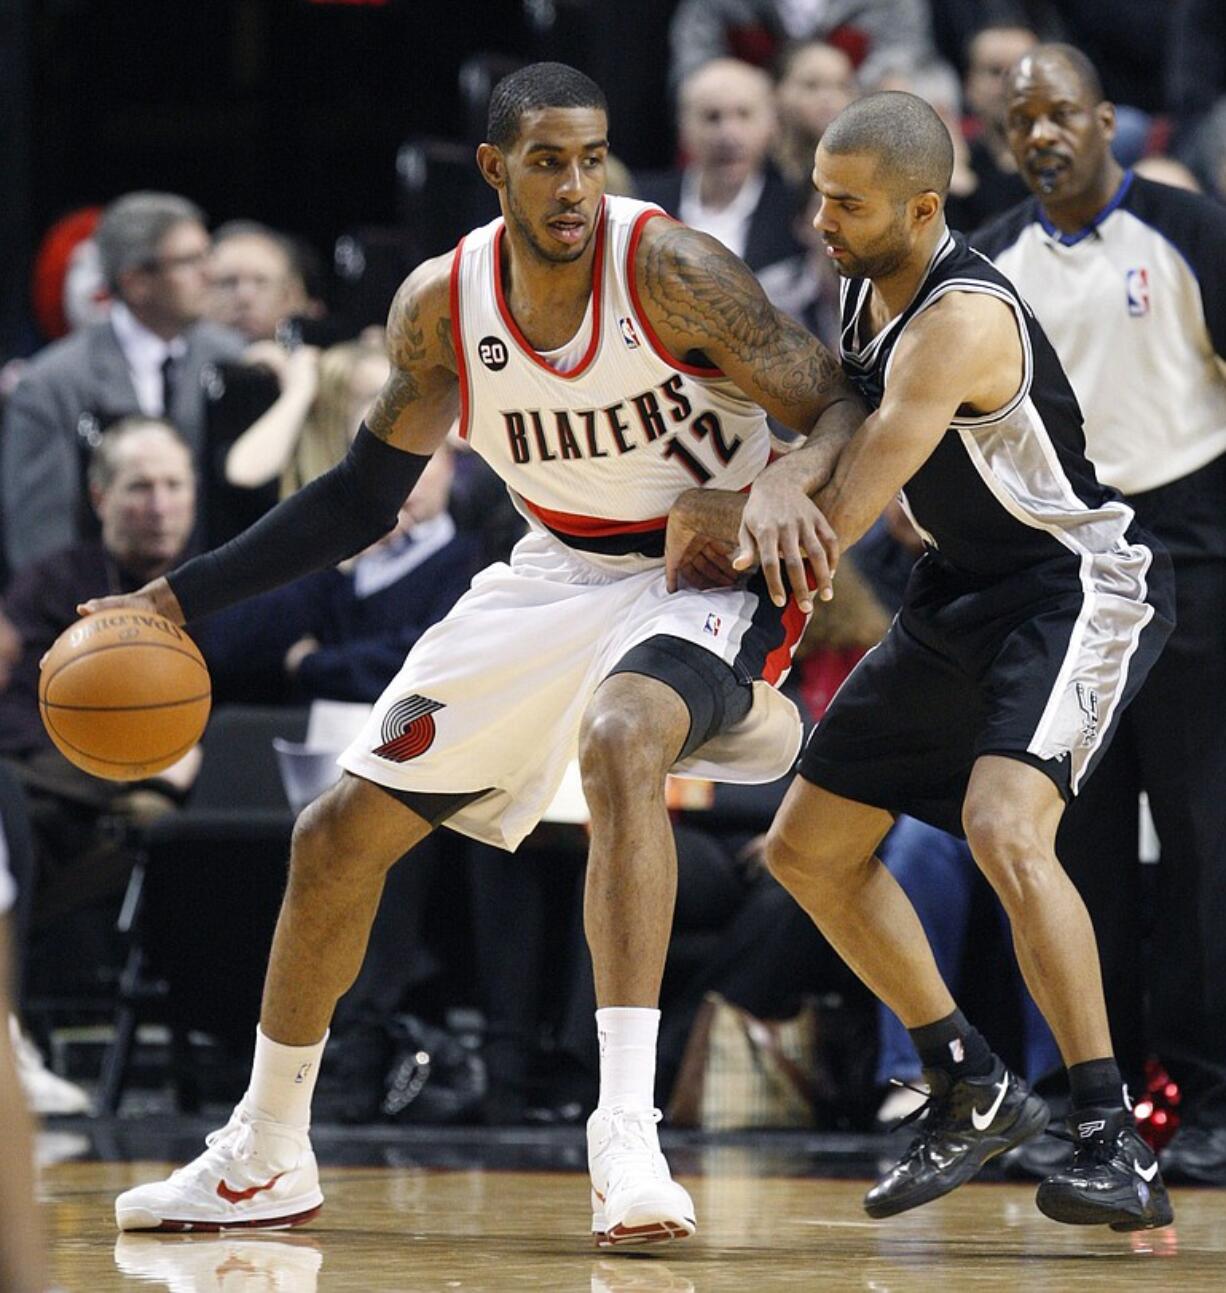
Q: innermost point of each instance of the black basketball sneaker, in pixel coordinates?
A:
(1113, 1180)
(963, 1124)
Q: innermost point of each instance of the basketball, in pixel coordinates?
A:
(124, 694)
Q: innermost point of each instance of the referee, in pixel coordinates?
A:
(1128, 279)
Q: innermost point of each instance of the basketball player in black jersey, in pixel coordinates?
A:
(1030, 621)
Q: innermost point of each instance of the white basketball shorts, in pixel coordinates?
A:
(493, 695)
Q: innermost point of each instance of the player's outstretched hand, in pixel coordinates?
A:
(157, 596)
(781, 523)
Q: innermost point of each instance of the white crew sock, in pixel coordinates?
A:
(283, 1081)
(627, 1056)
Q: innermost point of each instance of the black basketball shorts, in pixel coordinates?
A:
(1035, 667)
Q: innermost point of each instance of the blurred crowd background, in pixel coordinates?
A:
(207, 210)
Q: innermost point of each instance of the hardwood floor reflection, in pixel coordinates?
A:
(424, 1229)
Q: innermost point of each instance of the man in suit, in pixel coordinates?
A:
(147, 358)
(728, 187)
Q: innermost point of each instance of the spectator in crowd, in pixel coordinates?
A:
(343, 633)
(1128, 279)
(728, 188)
(146, 358)
(878, 34)
(1206, 153)
(990, 53)
(1195, 64)
(143, 488)
(324, 396)
(1168, 170)
(816, 82)
(805, 285)
(255, 281)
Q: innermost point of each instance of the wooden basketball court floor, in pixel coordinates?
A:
(472, 1213)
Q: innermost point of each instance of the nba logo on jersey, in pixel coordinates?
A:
(629, 336)
(1136, 284)
(712, 625)
(408, 729)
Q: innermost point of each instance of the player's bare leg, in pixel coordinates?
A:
(632, 733)
(822, 848)
(344, 845)
(259, 1171)
(1010, 816)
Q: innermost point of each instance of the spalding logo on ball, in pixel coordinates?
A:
(124, 694)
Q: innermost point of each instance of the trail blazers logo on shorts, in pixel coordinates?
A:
(408, 729)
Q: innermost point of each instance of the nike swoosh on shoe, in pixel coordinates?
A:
(238, 1196)
(983, 1121)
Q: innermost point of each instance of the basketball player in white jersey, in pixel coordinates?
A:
(604, 360)
(1028, 625)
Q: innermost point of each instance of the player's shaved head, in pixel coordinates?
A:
(532, 88)
(1043, 59)
(904, 134)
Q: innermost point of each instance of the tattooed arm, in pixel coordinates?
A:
(420, 399)
(698, 296)
(354, 504)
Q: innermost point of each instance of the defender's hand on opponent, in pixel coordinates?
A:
(781, 521)
(701, 538)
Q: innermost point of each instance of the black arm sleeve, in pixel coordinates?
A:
(331, 518)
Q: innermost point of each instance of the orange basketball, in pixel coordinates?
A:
(124, 694)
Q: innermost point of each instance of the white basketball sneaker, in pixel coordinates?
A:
(634, 1197)
(253, 1174)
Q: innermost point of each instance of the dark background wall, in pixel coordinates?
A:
(287, 111)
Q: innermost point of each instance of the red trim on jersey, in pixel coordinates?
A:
(591, 527)
(793, 620)
(457, 340)
(656, 344)
(597, 304)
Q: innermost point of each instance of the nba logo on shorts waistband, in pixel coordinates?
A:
(712, 625)
(408, 729)
(629, 336)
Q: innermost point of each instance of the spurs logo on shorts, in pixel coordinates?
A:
(408, 729)
(1087, 702)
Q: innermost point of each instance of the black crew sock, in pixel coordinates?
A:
(954, 1047)
(1096, 1084)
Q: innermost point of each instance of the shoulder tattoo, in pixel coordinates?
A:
(703, 291)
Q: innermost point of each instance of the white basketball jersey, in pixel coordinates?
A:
(595, 455)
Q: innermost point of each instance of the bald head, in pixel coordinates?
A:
(723, 77)
(1043, 60)
(904, 135)
(727, 120)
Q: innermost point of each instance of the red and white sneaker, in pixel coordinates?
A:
(634, 1197)
(253, 1174)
